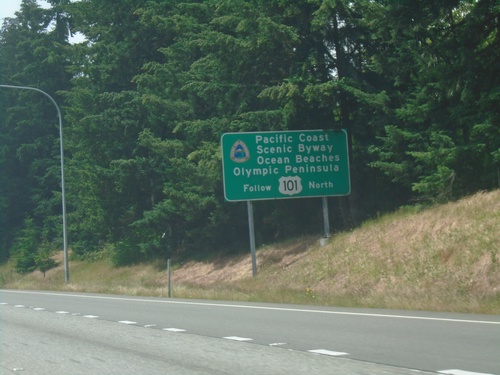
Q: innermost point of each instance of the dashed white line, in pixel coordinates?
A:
(174, 329)
(278, 344)
(461, 372)
(126, 322)
(327, 352)
(237, 338)
(242, 339)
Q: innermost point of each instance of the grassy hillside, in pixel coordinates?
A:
(443, 258)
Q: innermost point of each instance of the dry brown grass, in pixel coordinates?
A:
(443, 258)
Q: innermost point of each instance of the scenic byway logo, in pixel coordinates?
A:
(239, 152)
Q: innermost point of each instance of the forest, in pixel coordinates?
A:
(151, 85)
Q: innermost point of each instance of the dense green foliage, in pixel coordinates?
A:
(147, 95)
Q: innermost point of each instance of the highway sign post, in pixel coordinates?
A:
(286, 164)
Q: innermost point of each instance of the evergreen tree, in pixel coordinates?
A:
(148, 94)
(32, 54)
(443, 141)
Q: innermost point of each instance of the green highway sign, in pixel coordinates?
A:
(287, 164)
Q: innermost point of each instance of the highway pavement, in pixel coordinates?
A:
(56, 332)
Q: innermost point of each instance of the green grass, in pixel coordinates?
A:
(443, 258)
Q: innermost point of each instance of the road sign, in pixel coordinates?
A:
(288, 164)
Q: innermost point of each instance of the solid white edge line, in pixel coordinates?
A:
(174, 330)
(461, 372)
(260, 307)
(327, 352)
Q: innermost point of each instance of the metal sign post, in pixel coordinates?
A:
(326, 219)
(251, 231)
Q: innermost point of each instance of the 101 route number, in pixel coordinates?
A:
(290, 185)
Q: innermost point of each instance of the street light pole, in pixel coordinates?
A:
(65, 237)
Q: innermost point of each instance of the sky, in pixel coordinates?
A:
(9, 7)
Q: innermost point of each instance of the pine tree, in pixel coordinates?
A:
(32, 54)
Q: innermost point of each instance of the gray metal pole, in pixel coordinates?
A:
(63, 190)
(169, 285)
(326, 219)
(251, 231)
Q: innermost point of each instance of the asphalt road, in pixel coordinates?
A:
(88, 333)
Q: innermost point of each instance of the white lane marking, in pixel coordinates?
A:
(236, 338)
(327, 352)
(149, 325)
(3, 303)
(260, 307)
(461, 372)
(278, 344)
(76, 314)
(62, 312)
(39, 309)
(127, 322)
(91, 316)
(19, 306)
(174, 329)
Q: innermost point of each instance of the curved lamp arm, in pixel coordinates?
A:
(65, 238)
